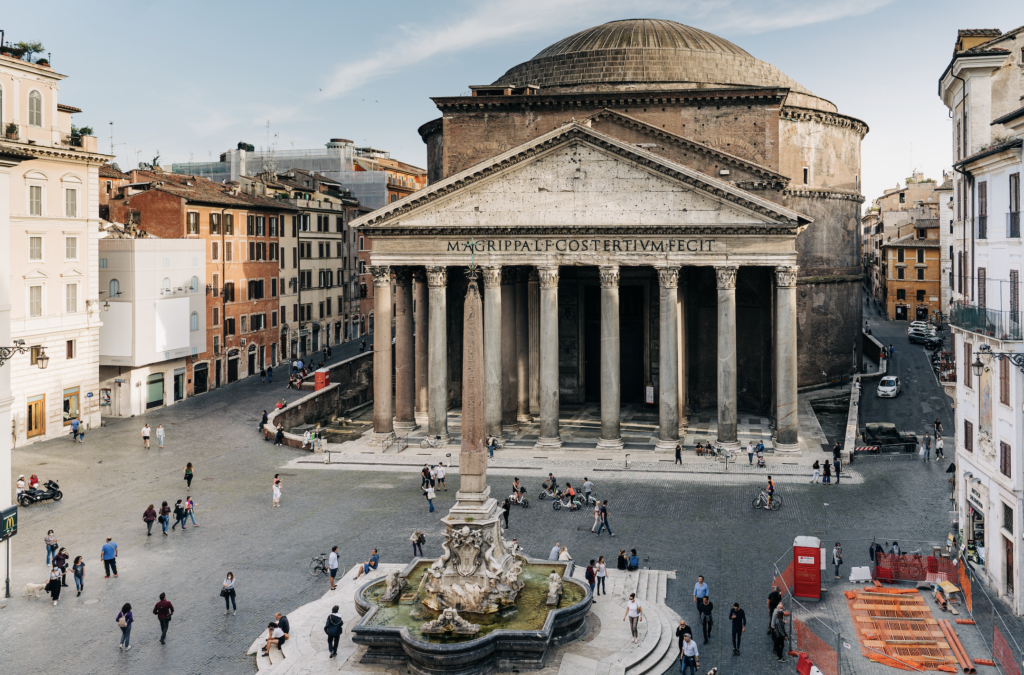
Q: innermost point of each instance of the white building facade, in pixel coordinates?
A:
(982, 87)
(52, 245)
(154, 319)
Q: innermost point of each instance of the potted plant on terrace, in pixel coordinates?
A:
(12, 130)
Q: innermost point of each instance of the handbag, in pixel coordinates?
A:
(224, 592)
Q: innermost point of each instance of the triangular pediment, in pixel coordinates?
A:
(577, 177)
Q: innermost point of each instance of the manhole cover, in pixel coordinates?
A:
(90, 602)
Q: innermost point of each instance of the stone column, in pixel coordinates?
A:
(727, 357)
(786, 427)
(420, 315)
(548, 438)
(684, 419)
(437, 371)
(509, 365)
(382, 427)
(611, 386)
(533, 311)
(405, 384)
(522, 349)
(492, 350)
(668, 359)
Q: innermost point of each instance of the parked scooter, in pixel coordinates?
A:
(52, 491)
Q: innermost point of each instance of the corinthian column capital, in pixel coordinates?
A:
(548, 277)
(609, 275)
(668, 277)
(491, 275)
(785, 276)
(381, 275)
(403, 275)
(726, 277)
(437, 277)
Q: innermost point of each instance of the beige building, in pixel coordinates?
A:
(52, 244)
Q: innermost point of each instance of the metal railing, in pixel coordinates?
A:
(992, 322)
(1013, 225)
(981, 227)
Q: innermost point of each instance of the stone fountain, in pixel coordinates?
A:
(478, 573)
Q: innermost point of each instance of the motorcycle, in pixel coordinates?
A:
(547, 491)
(563, 499)
(31, 496)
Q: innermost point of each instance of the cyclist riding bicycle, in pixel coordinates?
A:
(771, 491)
(570, 491)
(551, 483)
(517, 489)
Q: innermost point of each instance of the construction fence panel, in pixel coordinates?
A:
(1004, 653)
(818, 651)
(785, 579)
(892, 567)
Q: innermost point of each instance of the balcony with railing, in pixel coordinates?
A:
(991, 322)
(1013, 225)
(981, 227)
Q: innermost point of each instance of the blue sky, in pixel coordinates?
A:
(194, 78)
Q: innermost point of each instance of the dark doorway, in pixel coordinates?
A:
(232, 369)
(200, 378)
(216, 376)
(592, 342)
(154, 390)
(631, 343)
(252, 362)
(901, 312)
(922, 313)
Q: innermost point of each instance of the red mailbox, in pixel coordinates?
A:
(807, 568)
(323, 378)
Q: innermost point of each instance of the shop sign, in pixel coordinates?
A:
(977, 498)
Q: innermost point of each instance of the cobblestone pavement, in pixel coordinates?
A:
(696, 524)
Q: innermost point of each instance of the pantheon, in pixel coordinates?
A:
(658, 217)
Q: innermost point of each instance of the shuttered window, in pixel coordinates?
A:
(1004, 459)
(1004, 381)
(968, 436)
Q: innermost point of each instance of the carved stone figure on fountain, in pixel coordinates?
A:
(450, 622)
(393, 586)
(554, 588)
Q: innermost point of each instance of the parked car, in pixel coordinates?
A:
(888, 387)
(917, 324)
(886, 434)
(918, 335)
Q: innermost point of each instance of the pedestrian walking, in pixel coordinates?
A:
(937, 427)
(817, 471)
(124, 622)
(190, 509)
(362, 346)
(679, 452)
(164, 610)
(838, 465)
(826, 478)
(333, 628)
(506, 506)
(682, 630)
(428, 492)
(189, 475)
(700, 591)
(277, 489)
(774, 598)
(145, 436)
(779, 632)
(836, 449)
(264, 418)
(61, 562)
(441, 472)
(51, 546)
(635, 614)
(81, 430)
(688, 656)
(601, 573)
(417, 539)
(179, 515)
(270, 374)
(926, 448)
(707, 620)
(750, 452)
(332, 565)
(425, 476)
(491, 442)
(108, 554)
(938, 448)
(588, 488)
(591, 577)
(164, 517)
(78, 570)
(53, 584)
(227, 591)
(148, 516)
(160, 435)
(74, 430)
(837, 558)
(604, 520)
(263, 375)
(739, 626)
(597, 516)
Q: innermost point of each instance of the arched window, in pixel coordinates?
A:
(115, 288)
(194, 286)
(35, 109)
(194, 324)
(167, 286)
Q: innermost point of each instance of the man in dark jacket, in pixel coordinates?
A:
(163, 610)
(682, 630)
(333, 628)
(704, 608)
(739, 625)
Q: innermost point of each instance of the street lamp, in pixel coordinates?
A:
(1016, 358)
(42, 360)
(977, 366)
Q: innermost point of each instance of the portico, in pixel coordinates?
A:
(610, 275)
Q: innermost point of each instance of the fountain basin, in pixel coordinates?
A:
(518, 637)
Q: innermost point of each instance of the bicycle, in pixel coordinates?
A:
(318, 566)
(429, 442)
(560, 500)
(519, 499)
(762, 500)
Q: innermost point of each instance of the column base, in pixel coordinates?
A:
(405, 427)
(728, 445)
(525, 418)
(510, 429)
(548, 442)
(684, 423)
(791, 449)
(422, 419)
(667, 444)
(609, 444)
(380, 439)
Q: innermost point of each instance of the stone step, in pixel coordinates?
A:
(662, 587)
(652, 587)
(641, 585)
(629, 585)
(653, 645)
(670, 660)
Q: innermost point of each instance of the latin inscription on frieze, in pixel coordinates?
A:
(583, 245)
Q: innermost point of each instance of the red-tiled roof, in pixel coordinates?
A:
(107, 171)
(68, 108)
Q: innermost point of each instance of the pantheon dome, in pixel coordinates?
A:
(648, 54)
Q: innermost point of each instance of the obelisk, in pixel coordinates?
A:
(472, 460)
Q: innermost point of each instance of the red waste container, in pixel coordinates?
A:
(807, 567)
(322, 378)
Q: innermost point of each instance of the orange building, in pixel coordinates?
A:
(242, 260)
(913, 268)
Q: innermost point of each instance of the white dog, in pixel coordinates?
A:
(33, 589)
(713, 671)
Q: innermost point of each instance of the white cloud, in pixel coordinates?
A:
(494, 22)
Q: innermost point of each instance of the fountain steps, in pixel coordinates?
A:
(656, 653)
